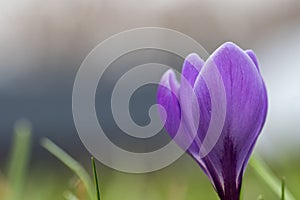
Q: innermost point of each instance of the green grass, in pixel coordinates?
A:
(283, 188)
(75, 166)
(183, 180)
(19, 158)
(275, 184)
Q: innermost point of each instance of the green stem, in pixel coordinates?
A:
(96, 179)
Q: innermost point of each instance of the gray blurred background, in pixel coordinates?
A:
(42, 44)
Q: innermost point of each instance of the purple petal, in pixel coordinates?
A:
(191, 67)
(167, 93)
(246, 101)
(190, 70)
(252, 55)
(170, 111)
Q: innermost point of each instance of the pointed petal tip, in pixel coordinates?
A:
(191, 67)
(231, 46)
(228, 47)
(231, 51)
(169, 80)
(228, 44)
(253, 57)
(169, 73)
(193, 57)
(195, 60)
(227, 51)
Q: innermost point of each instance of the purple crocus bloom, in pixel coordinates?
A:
(246, 108)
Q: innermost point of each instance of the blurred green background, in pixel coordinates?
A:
(182, 180)
(42, 44)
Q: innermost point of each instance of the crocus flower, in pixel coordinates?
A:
(245, 105)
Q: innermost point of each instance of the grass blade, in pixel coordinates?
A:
(19, 159)
(96, 178)
(269, 178)
(283, 188)
(70, 196)
(71, 163)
